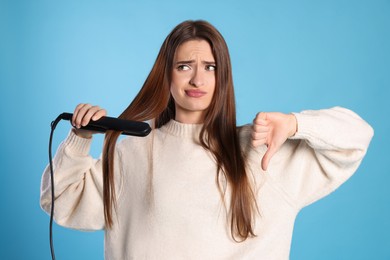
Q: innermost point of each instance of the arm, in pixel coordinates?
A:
(78, 186)
(78, 181)
(326, 150)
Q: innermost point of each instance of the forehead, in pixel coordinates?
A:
(194, 49)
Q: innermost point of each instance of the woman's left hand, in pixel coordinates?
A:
(272, 129)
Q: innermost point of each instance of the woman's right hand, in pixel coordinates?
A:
(84, 113)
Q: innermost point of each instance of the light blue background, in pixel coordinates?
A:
(286, 55)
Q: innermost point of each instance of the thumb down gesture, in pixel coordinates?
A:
(272, 129)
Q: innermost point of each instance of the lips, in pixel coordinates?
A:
(195, 93)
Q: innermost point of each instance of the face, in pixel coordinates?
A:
(193, 81)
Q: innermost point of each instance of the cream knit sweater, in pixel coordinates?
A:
(169, 206)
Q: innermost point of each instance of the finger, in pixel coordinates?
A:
(89, 114)
(267, 157)
(80, 114)
(257, 136)
(77, 115)
(261, 118)
(99, 114)
(77, 108)
(257, 143)
(260, 128)
(260, 122)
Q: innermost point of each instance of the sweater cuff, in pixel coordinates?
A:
(77, 145)
(304, 126)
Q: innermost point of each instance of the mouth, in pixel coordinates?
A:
(195, 93)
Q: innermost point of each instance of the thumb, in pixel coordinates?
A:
(267, 157)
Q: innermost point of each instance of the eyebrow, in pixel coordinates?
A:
(193, 61)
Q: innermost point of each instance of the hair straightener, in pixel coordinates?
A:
(126, 127)
(105, 123)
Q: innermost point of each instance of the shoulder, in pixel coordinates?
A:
(126, 144)
(244, 132)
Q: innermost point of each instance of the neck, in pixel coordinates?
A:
(190, 117)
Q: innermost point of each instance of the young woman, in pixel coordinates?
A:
(199, 187)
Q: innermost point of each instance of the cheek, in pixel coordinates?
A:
(175, 91)
(212, 85)
(174, 84)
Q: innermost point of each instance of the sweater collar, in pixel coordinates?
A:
(183, 130)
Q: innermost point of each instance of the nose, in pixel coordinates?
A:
(197, 79)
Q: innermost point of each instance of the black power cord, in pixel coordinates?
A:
(53, 126)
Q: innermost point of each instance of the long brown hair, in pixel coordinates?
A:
(219, 133)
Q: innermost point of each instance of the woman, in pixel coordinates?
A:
(198, 187)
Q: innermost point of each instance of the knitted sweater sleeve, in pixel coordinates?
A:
(326, 150)
(78, 185)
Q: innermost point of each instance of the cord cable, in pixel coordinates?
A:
(53, 126)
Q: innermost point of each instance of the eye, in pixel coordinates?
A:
(211, 67)
(183, 67)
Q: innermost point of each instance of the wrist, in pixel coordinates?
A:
(293, 125)
(82, 133)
